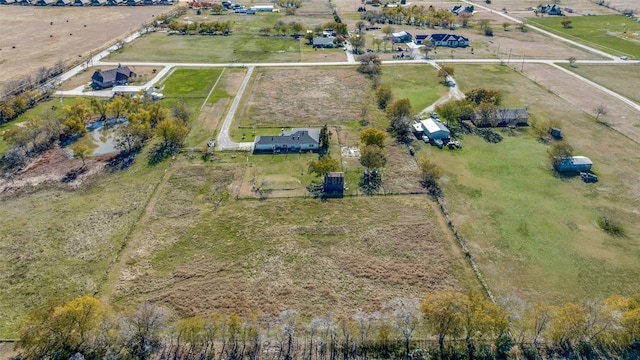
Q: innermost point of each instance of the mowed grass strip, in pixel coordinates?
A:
(611, 33)
(57, 244)
(622, 79)
(253, 256)
(534, 234)
(190, 87)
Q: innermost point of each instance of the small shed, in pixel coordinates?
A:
(333, 184)
(402, 37)
(573, 164)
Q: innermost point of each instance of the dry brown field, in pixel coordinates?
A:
(282, 97)
(254, 256)
(33, 37)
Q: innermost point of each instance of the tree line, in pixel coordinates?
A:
(445, 325)
(414, 15)
(203, 28)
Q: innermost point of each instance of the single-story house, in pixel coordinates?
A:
(45, 2)
(448, 40)
(323, 42)
(401, 37)
(504, 118)
(98, 2)
(133, 2)
(7, 2)
(63, 2)
(114, 2)
(432, 128)
(112, 77)
(573, 164)
(459, 9)
(550, 9)
(81, 2)
(333, 184)
(262, 8)
(298, 139)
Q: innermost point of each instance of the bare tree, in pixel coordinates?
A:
(600, 110)
(141, 332)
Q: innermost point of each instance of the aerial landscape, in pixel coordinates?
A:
(319, 179)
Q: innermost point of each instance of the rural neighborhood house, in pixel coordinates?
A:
(298, 139)
(112, 77)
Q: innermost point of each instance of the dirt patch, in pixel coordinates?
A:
(66, 33)
(52, 167)
(6, 350)
(284, 97)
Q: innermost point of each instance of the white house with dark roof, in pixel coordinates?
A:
(448, 40)
(298, 139)
(323, 42)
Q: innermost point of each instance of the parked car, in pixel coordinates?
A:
(625, 58)
(438, 143)
(589, 177)
(434, 114)
(425, 138)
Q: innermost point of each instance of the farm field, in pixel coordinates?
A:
(621, 79)
(615, 34)
(303, 254)
(50, 28)
(534, 235)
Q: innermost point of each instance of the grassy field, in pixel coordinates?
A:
(615, 34)
(621, 79)
(57, 244)
(253, 256)
(534, 234)
(190, 86)
(418, 83)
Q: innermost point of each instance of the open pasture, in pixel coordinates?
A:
(534, 234)
(615, 34)
(62, 33)
(255, 256)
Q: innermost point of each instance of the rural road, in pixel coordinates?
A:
(224, 140)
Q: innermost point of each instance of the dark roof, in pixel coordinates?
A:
(447, 37)
(513, 114)
(295, 137)
(111, 75)
(322, 41)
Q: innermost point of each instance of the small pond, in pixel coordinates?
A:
(101, 136)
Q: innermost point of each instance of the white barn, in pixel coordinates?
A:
(432, 128)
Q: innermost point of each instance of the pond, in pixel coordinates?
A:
(101, 137)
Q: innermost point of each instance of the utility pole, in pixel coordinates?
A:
(522, 67)
(509, 58)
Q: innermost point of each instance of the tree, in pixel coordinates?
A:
(465, 17)
(558, 150)
(443, 315)
(600, 110)
(61, 331)
(453, 110)
(488, 31)
(369, 64)
(383, 95)
(565, 22)
(141, 332)
(407, 317)
(323, 165)
(360, 25)
(483, 319)
(117, 107)
(430, 173)
(427, 46)
(387, 31)
(488, 95)
(372, 156)
(505, 26)
(358, 42)
(486, 114)
(171, 132)
(377, 42)
(399, 113)
(324, 137)
(572, 61)
(445, 71)
(373, 136)
(81, 151)
(181, 112)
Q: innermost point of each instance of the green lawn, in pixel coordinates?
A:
(418, 83)
(236, 48)
(535, 235)
(190, 86)
(615, 34)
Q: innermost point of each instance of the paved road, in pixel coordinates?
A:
(224, 141)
